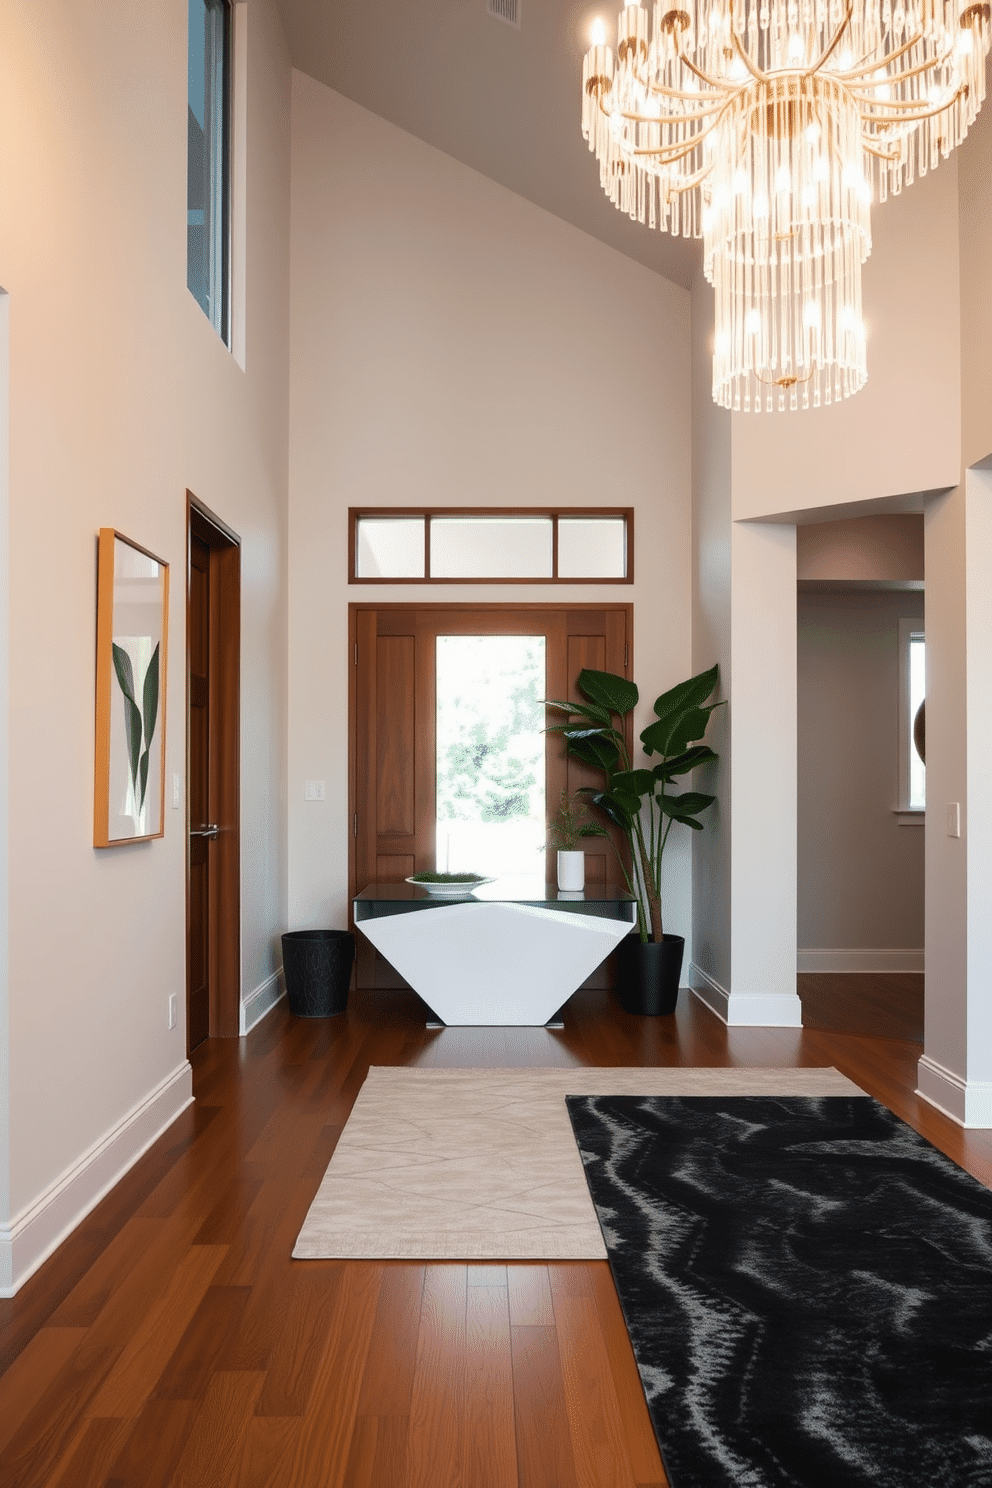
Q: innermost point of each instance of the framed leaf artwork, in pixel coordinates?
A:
(132, 615)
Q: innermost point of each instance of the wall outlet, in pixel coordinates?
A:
(954, 819)
(176, 789)
(173, 1010)
(314, 790)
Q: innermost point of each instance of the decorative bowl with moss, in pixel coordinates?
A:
(448, 883)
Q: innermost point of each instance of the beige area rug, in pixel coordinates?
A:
(481, 1164)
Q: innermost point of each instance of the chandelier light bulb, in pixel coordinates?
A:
(598, 32)
(763, 127)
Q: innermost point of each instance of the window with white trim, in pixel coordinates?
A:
(208, 162)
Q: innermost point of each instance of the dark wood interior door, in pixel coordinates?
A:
(198, 798)
(393, 729)
(213, 930)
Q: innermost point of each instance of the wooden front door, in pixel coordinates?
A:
(213, 952)
(393, 712)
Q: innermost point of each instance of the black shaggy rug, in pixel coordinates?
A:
(807, 1284)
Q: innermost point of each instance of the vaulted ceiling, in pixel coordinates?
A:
(504, 101)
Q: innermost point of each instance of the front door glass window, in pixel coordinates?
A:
(490, 754)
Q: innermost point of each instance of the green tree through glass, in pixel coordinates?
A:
(490, 750)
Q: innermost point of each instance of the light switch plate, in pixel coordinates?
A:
(314, 791)
(954, 819)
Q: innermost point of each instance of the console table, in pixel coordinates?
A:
(509, 952)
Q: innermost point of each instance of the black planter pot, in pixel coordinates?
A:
(648, 974)
(317, 966)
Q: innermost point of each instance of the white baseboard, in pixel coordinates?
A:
(855, 961)
(264, 998)
(746, 1009)
(968, 1102)
(709, 992)
(42, 1225)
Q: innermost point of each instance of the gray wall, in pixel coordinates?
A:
(860, 872)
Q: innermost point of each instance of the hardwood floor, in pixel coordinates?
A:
(171, 1341)
(877, 1004)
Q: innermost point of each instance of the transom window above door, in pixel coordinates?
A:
(500, 545)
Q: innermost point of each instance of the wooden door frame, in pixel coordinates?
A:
(357, 607)
(224, 787)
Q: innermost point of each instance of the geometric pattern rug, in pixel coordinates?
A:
(807, 1285)
(481, 1164)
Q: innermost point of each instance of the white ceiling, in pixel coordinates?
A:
(504, 101)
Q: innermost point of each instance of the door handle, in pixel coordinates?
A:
(210, 831)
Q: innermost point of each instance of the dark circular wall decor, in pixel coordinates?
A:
(920, 731)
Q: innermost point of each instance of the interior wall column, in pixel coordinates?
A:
(764, 846)
(761, 759)
(955, 1072)
(6, 1248)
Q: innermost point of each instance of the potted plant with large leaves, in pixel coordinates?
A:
(643, 807)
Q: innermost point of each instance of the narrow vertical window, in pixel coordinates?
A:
(912, 692)
(917, 693)
(208, 166)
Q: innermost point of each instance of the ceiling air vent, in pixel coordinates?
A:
(505, 10)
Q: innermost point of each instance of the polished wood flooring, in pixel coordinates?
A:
(171, 1340)
(885, 1004)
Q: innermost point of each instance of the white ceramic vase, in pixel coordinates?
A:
(571, 870)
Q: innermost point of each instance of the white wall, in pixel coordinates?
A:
(860, 872)
(454, 344)
(121, 398)
(711, 624)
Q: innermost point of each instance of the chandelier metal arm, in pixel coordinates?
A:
(864, 66)
(662, 150)
(745, 56)
(915, 118)
(903, 77)
(683, 95)
(690, 182)
(786, 381)
(878, 154)
(713, 83)
(683, 118)
(671, 154)
(674, 153)
(834, 42)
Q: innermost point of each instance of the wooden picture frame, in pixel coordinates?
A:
(132, 623)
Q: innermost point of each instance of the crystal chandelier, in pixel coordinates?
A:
(763, 126)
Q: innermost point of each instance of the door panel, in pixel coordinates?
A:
(393, 715)
(198, 963)
(396, 713)
(213, 934)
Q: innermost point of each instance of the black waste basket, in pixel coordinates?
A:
(317, 966)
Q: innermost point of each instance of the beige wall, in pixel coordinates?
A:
(452, 343)
(121, 398)
(975, 188)
(860, 874)
(901, 433)
(956, 1070)
(883, 549)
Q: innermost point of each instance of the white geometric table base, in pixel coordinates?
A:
(494, 964)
